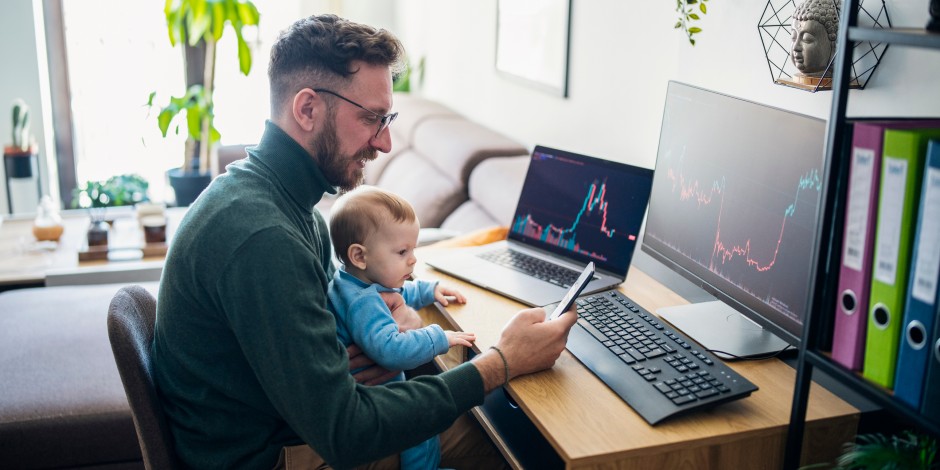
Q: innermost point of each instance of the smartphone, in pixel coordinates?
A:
(568, 300)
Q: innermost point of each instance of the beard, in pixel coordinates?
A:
(340, 171)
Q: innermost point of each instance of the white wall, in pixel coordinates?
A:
(21, 78)
(622, 55)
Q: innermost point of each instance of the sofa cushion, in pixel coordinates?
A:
(433, 193)
(456, 145)
(494, 189)
(62, 403)
(433, 174)
(412, 111)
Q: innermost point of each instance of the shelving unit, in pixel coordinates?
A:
(826, 260)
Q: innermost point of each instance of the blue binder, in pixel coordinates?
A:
(930, 404)
(923, 287)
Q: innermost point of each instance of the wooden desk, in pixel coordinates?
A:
(26, 262)
(591, 427)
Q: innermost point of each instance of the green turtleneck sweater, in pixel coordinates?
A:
(245, 353)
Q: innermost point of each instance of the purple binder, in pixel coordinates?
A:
(851, 315)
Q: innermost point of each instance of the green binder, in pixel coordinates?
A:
(901, 172)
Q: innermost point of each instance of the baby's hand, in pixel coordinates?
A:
(459, 338)
(441, 293)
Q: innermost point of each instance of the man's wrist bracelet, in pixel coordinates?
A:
(505, 364)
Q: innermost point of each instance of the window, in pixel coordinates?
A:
(111, 56)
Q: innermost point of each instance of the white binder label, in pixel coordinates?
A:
(859, 205)
(893, 180)
(927, 252)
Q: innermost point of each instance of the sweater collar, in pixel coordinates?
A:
(292, 165)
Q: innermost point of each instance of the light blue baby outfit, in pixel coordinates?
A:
(362, 318)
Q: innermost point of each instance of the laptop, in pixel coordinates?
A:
(573, 209)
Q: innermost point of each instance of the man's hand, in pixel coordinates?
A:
(372, 374)
(528, 343)
(405, 316)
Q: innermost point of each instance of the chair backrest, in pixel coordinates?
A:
(131, 318)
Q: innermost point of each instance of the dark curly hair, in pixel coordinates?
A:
(319, 51)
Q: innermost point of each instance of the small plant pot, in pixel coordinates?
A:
(188, 185)
(19, 163)
(98, 233)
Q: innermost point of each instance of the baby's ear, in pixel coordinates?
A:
(357, 255)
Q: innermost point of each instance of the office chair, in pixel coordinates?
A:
(131, 318)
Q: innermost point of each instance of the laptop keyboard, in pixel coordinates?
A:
(658, 371)
(535, 267)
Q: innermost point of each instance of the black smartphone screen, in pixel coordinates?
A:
(568, 300)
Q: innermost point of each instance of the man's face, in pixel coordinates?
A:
(342, 170)
(347, 138)
(812, 48)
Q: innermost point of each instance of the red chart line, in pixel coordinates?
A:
(692, 191)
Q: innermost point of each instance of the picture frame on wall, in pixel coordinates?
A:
(533, 40)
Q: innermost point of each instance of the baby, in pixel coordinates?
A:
(374, 234)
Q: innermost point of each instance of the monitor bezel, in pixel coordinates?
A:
(783, 326)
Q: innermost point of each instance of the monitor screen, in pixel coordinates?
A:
(584, 207)
(734, 202)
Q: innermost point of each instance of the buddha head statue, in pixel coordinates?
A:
(815, 24)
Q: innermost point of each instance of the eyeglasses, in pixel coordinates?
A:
(385, 120)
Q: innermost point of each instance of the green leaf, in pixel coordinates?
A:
(231, 9)
(693, 16)
(702, 7)
(164, 119)
(218, 23)
(248, 14)
(692, 41)
(691, 2)
(150, 99)
(402, 83)
(694, 30)
(244, 54)
(194, 122)
(678, 24)
(199, 26)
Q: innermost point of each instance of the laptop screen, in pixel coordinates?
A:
(582, 207)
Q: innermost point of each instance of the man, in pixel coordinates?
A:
(246, 358)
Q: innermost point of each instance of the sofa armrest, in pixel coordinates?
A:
(494, 190)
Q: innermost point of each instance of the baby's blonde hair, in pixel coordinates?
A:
(360, 213)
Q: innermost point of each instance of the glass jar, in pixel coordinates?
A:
(47, 226)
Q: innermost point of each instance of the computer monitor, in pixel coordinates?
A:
(734, 208)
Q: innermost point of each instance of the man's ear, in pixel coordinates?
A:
(356, 254)
(305, 110)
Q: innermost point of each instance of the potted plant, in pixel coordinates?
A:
(19, 158)
(121, 190)
(909, 450)
(198, 25)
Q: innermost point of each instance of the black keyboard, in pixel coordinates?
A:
(535, 267)
(658, 371)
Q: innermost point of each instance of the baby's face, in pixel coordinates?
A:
(390, 253)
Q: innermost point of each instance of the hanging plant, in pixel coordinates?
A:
(688, 12)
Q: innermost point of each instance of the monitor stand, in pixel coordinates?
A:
(721, 329)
